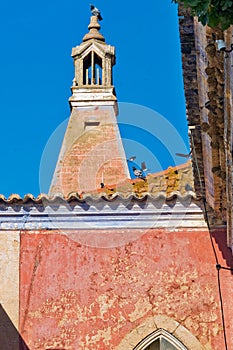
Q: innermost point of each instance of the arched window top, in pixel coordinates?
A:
(160, 340)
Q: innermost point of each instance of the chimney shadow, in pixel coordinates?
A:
(10, 338)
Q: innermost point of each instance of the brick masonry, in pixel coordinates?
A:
(92, 152)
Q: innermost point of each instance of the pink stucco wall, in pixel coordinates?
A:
(84, 296)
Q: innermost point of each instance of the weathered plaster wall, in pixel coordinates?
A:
(9, 274)
(75, 296)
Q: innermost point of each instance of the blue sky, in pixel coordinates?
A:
(37, 71)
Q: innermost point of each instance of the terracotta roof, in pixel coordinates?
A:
(175, 182)
(178, 179)
(74, 196)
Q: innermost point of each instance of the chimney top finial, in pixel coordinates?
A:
(94, 33)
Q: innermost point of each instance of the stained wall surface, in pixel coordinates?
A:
(110, 289)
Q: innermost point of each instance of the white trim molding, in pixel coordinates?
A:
(101, 214)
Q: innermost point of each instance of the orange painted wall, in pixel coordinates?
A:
(89, 290)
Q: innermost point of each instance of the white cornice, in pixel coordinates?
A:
(102, 215)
